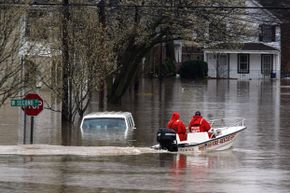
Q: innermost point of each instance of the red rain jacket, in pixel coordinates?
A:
(198, 124)
(178, 126)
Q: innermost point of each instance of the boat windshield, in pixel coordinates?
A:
(101, 124)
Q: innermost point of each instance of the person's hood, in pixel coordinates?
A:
(175, 116)
(196, 116)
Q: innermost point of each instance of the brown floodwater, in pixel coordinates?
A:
(258, 161)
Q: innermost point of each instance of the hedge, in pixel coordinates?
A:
(193, 69)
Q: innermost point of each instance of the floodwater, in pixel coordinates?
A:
(258, 162)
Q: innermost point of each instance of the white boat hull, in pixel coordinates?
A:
(216, 144)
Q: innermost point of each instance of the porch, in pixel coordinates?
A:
(252, 61)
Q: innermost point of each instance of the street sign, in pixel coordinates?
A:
(24, 103)
(31, 109)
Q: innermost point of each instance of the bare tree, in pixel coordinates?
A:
(91, 56)
(11, 21)
(26, 48)
(87, 58)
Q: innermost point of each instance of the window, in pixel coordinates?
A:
(103, 124)
(266, 64)
(243, 63)
(267, 33)
(129, 122)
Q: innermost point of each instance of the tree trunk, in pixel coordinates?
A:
(129, 61)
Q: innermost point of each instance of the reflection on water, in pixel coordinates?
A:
(258, 162)
(145, 173)
(265, 105)
(228, 171)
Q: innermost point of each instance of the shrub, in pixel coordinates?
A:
(167, 68)
(170, 66)
(193, 69)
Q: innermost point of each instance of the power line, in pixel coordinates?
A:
(147, 6)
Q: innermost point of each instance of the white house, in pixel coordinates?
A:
(256, 57)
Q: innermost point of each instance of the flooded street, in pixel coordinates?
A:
(258, 162)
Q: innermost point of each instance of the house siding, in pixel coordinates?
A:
(254, 66)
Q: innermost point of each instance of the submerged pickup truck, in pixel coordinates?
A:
(107, 121)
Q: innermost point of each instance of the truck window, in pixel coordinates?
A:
(95, 124)
(130, 122)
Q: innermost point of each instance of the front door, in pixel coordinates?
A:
(223, 66)
(266, 64)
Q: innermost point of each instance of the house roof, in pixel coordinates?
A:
(242, 46)
(257, 46)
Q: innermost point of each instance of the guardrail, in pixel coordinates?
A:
(227, 122)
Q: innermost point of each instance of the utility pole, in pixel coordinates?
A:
(102, 16)
(102, 20)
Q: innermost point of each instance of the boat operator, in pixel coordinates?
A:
(199, 124)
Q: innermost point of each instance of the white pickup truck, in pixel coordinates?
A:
(107, 121)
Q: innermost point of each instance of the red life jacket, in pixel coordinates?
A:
(195, 127)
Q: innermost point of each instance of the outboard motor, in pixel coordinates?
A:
(167, 139)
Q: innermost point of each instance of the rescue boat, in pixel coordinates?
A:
(225, 132)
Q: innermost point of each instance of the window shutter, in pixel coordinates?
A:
(273, 33)
(260, 33)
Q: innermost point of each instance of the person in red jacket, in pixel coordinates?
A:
(199, 124)
(176, 124)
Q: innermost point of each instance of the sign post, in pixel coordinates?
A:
(32, 105)
(24, 128)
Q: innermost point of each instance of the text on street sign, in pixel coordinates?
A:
(24, 102)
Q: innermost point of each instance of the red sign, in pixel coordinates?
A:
(33, 110)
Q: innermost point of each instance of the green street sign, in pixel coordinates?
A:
(24, 102)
